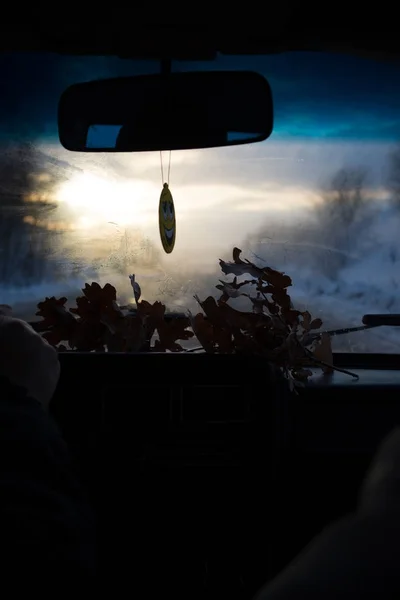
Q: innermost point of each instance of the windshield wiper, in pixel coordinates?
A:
(369, 322)
(380, 320)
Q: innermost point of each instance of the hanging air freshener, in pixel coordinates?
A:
(166, 214)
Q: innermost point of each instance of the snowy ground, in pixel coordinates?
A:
(369, 282)
(336, 277)
(339, 303)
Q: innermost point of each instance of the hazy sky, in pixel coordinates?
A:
(315, 95)
(330, 111)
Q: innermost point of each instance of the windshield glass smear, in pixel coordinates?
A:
(320, 199)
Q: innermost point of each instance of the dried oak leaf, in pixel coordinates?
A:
(85, 310)
(97, 302)
(223, 340)
(212, 338)
(58, 322)
(102, 296)
(308, 324)
(212, 311)
(258, 303)
(295, 350)
(204, 331)
(323, 353)
(272, 308)
(134, 334)
(223, 316)
(276, 278)
(239, 267)
(231, 289)
(115, 342)
(282, 298)
(155, 311)
(88, 336)
(137, 292)
(289, 353)
(129, 335)
(301, 375)
(265, 289)
(52, 310)
(169, 333)
(246, 344)
(267, 337)
(99, 315)
(291, 316)
(153, 316)
(236, 319)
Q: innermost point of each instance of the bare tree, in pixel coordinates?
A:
(25, 209)
(341, 211)
(345, 196)
(393, 178)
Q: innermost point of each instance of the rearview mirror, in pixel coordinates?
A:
(177, 111)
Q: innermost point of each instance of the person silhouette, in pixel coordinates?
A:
(358, 556)
(47, 526)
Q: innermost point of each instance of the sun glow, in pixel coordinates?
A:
(98, 200)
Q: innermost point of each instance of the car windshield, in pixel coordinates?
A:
(320, 199)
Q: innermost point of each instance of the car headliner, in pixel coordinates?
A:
(297, 28)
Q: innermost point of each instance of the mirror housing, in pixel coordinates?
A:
(176, 111)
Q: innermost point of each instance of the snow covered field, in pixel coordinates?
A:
(341, 268)
(369, 282)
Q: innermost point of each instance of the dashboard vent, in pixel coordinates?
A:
(204, 425)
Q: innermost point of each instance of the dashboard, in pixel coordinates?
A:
(210, 456)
